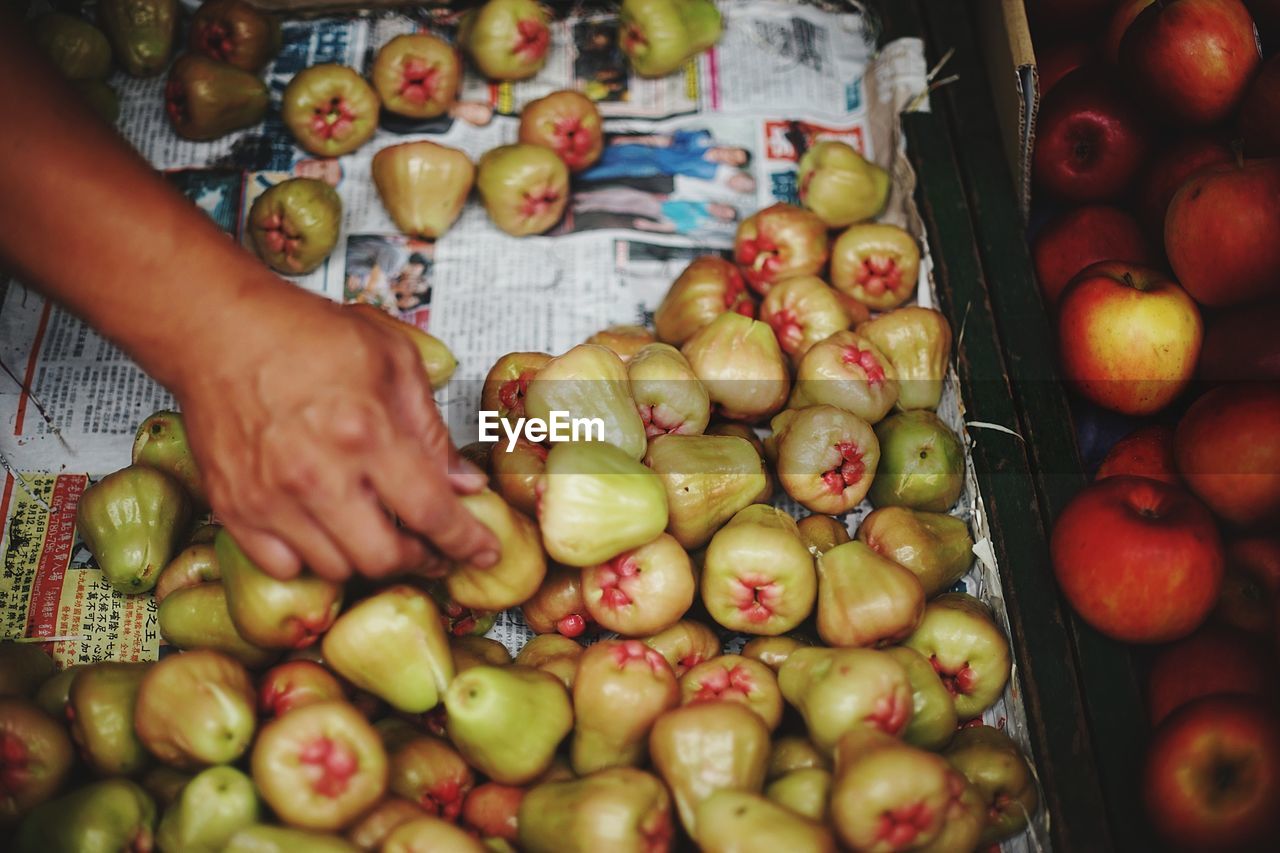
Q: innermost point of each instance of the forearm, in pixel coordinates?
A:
(87, 221)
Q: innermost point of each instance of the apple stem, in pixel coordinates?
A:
(1237, 148)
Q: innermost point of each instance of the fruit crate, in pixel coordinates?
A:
(1088, 720)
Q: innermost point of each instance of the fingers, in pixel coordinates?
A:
(363, 530)
(463, 475)
(417, 492)
(268, 551)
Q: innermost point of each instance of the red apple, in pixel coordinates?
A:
(1169, 170)
(1145, 452)
(1139, 560)
(1083, 236)
(1122, 16)
(1228, 450)
(1242, 344)
(1090, 142)
(1258, 556)
(1211, 662)
(1259, 119)
(1128, 337)
(1058, 61)
(1220, 233)
(1191, 59)
(1212, 776)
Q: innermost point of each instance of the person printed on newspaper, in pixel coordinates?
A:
(315, 431)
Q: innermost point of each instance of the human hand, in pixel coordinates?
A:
(310, 426)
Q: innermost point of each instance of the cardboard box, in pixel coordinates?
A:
(1015, 85)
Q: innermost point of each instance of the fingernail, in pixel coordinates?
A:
(485, 559)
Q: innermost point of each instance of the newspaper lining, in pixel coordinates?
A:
(783, 73)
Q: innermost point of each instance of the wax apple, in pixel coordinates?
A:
(658, 36)
(802, 311)
(519, 572)
(427, 772)
(206, 99)
(621, 688)
(839, 690)
(524, 188)
(417, 75)
(1212, 775)
(933, 708)
(393, 645)
(568, 123)
(626, 340)
(840, 185)
(921, 463)
(100, 708)
(728, 820)
(865, 599)
(740, 364)
(161, 442)
(1106, 308)
(507, 721)
(1190, 60)
(1219, 233)
(685, 645)
(1139, 560)
(1257, 121)
(1227, 448)
(132, 521)
(35, 757)
(295, 684)
(552, 653)
(848, 371)
(196, 709)
(826, 457)
(669, 397)
(708, 478)
(557, 606)
(622, 809)
(640, 591)
(1211, 662)
(470, 651)
(274, 613)
(1081, 237)
(197, 617)
(889, 796)
(594, 502)
(423, 186)
(917, 342)
(294, 225)
(1169, 170)
(212, 807)
(506, 39)
(375, 825)
(875, 263)
(758, 576)
(999, 772)
(590, 381)
(780, 242)
(821, 533)
(1239, 344)
(967, 650)
(935, 547)
(141, 33)
(193, 565)
(233, 31)
(707, 747)
(492, 810)
(805, 792)
(320, 766)
(330, 109)
(1090, 142)
(704, 290)
(735, 678)
(114, 814)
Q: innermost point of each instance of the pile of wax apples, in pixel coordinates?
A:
(1162, 138)
(331, 110)
(305, 715)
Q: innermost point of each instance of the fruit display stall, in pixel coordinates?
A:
(770, 329)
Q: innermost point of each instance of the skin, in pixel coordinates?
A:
(306, 420)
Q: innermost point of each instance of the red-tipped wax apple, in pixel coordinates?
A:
(933, 709)
(196, 709)
(35, 758)
(552, 653)
(625, 339)
(428, 772)
(936, 548)
(506, 39)
(640, 591)
(685, 645)
(780, 242)
(967, 650)
(321, 766)
(417, 75)
(568, 123)
(917, 342)
(668, 396)
(802, 311)
(999, 773)
(517, 575)
(294, 225)
(734, 678)
(839, 690)
(524, 188)
(740, 364)
(234, 32)
(296, 684)
(589, 382)
(621, 688)
(848, 371)
(826, 458)
(865, 599)
(557, 606)
(274, 613)
(877, 264)
(622, 810)
(706, 288)
(758, 576)
(423, 186)
(330, 109)
(507, 383)
(708, 478)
